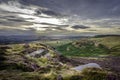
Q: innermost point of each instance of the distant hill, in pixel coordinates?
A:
(97, 36)
(28, 38)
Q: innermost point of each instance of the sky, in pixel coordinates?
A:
(59, 17)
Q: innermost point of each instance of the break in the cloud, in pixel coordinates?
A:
(60, 16)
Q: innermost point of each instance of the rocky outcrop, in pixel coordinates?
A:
(38, 53)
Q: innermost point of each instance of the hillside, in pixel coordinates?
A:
(102, 46)
(30, 62)
(104, 51)
(36, 61)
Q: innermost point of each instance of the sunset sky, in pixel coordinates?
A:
(59, 17)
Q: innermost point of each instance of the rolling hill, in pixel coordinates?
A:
(101, 46)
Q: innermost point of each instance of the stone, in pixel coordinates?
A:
(89, 65)
(36, 53)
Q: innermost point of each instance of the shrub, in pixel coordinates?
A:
(94, 74)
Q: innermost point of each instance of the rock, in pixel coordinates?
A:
(37, 53)
(89, 65)
(48, 56)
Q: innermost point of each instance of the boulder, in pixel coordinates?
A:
(89, 65)
(38, 53)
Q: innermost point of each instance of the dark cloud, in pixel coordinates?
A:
(79, 27)
(38, 12)
(84, 8)
(92, 30)
(12, 20)
(7, 16)
(47, 12)
(17, 22)
(59, 28)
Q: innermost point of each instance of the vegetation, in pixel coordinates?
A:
(94, 74)
(15, 64)
(84, 50)
(92, 47)
(111, 42)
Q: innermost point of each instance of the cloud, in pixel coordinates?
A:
(22, 16)
(82, 16)
(13, 21)
(79, 27)
(84, 8)
(54, 25)
(37, 19)
(14, 6)
(16, 20)
(47, 12)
